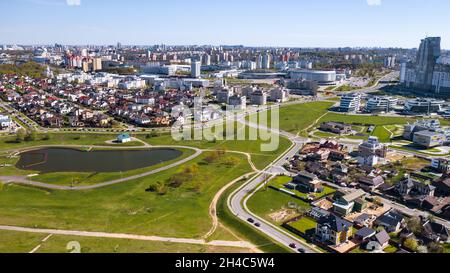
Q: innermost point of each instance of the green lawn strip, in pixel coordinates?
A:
(127, 207)
(429, 152)
(297, 117)
(19, 242)
(304, 224)
(59, 243)
(9, 143)
(365, 119)
(243, 230)
(265, 202)
(260, 158)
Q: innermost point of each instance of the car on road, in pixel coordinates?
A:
(301, 250)
(257, 224)
(250, 220)
(292, 245)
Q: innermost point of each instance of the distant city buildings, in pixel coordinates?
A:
(429, 72)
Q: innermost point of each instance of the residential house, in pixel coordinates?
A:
(415, 187)
(392, 221)
(336, 128)
(435, 232)
(307, 182)
(333, 230)
(348, 201)
(370, 183)
(364, 234)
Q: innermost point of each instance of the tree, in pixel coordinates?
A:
(411, 243)
(30, 136)
(20, 135)
(435, 248)
(46, 137)
(422, 249)
(415, 225)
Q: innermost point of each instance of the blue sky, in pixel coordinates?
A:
(300, 23)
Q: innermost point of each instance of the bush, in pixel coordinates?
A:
(46, 137)
(20, 135)
(411, 243)
(30, 136)
(158, 187)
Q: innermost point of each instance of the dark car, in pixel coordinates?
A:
(257, 224)
(292, 245)
(250, 220)
(301, 250)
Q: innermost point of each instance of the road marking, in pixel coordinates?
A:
(46, 238)
(35, 249)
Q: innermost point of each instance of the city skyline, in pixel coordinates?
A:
(324, 23)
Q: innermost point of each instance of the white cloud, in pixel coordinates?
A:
(73, 2)
(373, 2)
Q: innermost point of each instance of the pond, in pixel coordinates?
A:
(71, 160)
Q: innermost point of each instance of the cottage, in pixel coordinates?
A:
(435, 232)
(414, 186)
(391, 221)
(370, 183)
(333, 230)
(364, 234)
(307, 182)
(345, 202)
(380, 241)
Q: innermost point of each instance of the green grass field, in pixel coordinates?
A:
(265, 202)
(304, 224)
(127, 207)
(23, 242)
(298, 117)
(260, 158)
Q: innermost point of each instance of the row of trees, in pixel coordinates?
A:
(28, 135)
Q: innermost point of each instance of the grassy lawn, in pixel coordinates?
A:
(298, 117)
(265, 202)
(446, 248)
(23, 242)
(422, 151)
(304, 224)
(260, 158)
(127, 207)
(19, 242)
(8, 143)
(390, 249)
(364, 119)
(280, 181)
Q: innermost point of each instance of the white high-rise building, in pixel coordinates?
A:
(196, 67)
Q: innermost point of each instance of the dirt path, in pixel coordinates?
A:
(213, 205)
